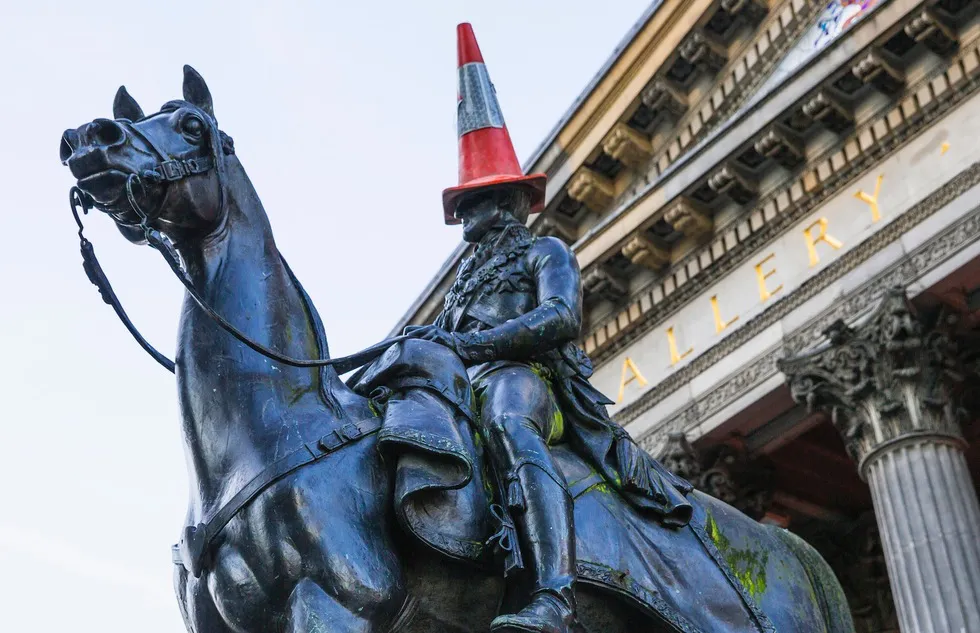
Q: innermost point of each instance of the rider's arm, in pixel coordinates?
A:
(557, 319)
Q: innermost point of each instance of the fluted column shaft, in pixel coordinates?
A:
(929, 521)
(890, 386)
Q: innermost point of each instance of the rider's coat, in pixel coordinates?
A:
(518, 299)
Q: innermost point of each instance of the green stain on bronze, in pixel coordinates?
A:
(557, 426)
(748, 565)
(556, 429)
(298, 392)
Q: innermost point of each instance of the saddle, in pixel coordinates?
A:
(445, 500)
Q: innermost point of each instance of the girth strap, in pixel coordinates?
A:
(196, 540)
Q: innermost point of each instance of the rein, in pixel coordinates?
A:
(172, 169)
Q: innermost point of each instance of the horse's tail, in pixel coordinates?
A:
(827, 589)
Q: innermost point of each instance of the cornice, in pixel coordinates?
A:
(688, 174)
(734, 86)
(776, 211)
(651, 47)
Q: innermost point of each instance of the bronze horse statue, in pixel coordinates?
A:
(314, 546)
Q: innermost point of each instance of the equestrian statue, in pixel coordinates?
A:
(466, 477)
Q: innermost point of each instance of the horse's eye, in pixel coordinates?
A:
(192, 126)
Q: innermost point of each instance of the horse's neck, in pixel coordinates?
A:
(242, 411)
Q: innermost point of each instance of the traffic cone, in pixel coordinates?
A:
(487, 158)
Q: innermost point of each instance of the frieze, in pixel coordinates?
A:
(923, 259)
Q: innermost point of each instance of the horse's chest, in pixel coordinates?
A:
(327, 522)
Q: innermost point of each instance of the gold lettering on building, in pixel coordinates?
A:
(675, 357)
(812, 240)
(635, 375)
(720, 323)
(764, 292)
(871, 201)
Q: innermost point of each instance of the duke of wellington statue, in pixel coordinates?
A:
(467, 477)
(513, 314)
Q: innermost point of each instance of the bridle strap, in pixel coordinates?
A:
(171, 170)
(79, 200)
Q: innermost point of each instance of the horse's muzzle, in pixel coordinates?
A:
(107, 188)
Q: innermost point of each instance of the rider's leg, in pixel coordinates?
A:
(518, 414)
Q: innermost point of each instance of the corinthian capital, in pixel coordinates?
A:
(890, 378)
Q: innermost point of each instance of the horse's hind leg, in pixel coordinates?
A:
(313, 610)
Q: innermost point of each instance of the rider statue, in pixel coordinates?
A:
(512, 316)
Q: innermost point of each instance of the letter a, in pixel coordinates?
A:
(629, 365)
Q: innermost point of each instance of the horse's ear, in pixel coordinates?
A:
(196, 91)
(125, 107)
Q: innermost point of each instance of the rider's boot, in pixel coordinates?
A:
(548, 544)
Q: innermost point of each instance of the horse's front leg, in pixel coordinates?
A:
(196, 605)
(313, 610)
(340, 523)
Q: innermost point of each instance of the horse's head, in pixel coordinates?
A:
(166, 166)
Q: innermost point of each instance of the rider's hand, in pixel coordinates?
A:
(432, 333)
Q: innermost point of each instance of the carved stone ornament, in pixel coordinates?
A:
(926, 27)
(728, 474)
(887, 379)
(660, 97)
(824, 108)
(556, 226)
(591, 189)
(687, 219)
(700, 52)
(679, 457)
(627, 146)
(642, 251)
(751, 10)
(729, 181)
(783, 146)
(602, 282)
(875, 69)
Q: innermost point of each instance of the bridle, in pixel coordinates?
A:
(168, 170)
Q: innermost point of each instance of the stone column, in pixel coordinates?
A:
(890, 385)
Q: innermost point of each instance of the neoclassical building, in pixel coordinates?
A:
(776, 208)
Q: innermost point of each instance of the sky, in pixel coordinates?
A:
(343, 116)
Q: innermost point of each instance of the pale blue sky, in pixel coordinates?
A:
(342, 113)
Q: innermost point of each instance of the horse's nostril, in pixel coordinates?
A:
(69, 141)
(106, 132)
